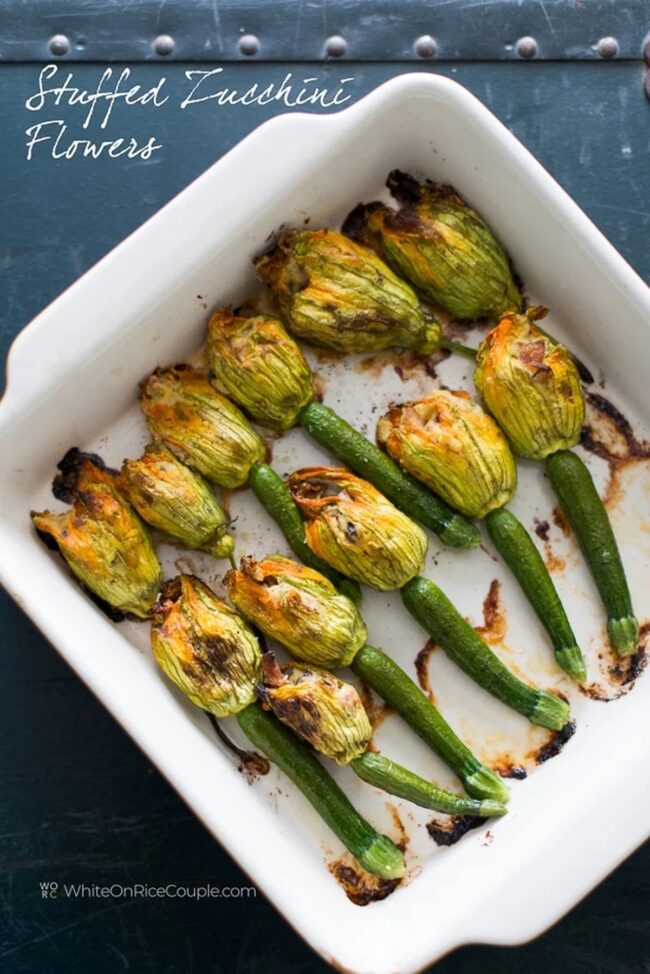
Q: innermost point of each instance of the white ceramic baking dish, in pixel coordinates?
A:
(72, 381)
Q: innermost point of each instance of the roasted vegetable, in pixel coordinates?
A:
(102, 539)
(205, 647)
(355, 529)
(374, 852)
(390, 682)
(254, 590)
(273, 493)
(320, 708)
(515, 545)
(583, 507)
(176, 500)
(259, 366)
(368, 461)
(334, 293)
(530, 384)
(199, 425)
(449, 443)
(435, 613)
(299, 607)
(329, 715)
(446, 441)
(212, 655)
(441, 245)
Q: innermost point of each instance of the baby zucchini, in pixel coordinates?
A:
(435, 613)
(391, 683)
(375, 852)
(514, 543)
(583, 507)
(383, 773)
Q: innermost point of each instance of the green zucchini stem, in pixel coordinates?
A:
(586, 514)
(515, 545)
(376, 853)
(458, 347)
(390, 681)
(436, 614)
(368, 461)
(383, 773)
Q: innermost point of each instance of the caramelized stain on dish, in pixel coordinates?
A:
(554, 563)
(408, 364)
(449, 830)
(494, 626)
(541, 529)
(507, 767)
(561, 522)
(621, 674)
(320, 386)
(270, 438)
(609, 435)
(358, 885)
(326, 356)
(402, 837)
(626, 671)
(422, 669)
(376, 709)
(554, 744)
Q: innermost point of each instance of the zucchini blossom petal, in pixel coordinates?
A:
(355, 529)
(260, 366)
(200, 426)
(205, 647)
(176, 500)
(442, 246)
(102, 539)
(340, 295)
(323, 710)
(449, 443)
(298, 607)
(531, 386)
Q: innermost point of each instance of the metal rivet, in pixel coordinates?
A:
(526, 47)
(425, 46)
(164, 44)
(607, 47)
(249, 45)
(59, 45)
(335, 46)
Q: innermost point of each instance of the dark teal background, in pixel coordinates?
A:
(79, 802)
